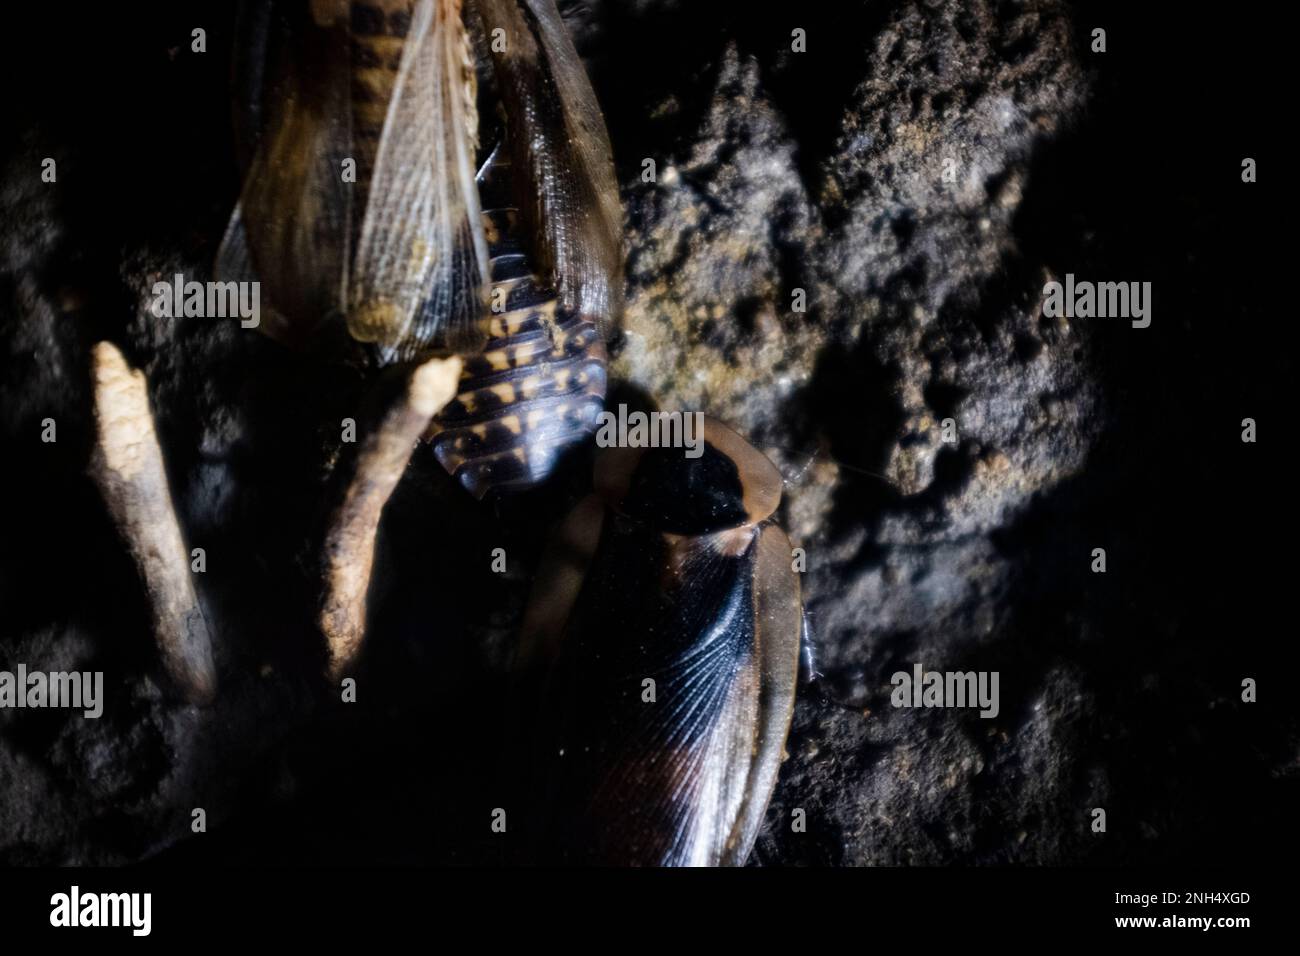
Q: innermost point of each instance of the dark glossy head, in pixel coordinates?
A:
(730, 484)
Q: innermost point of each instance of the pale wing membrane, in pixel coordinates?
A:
(290, 229)
(419, 276)
(561, 153)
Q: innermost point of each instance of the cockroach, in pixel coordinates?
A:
(665, 626)
(361, 212)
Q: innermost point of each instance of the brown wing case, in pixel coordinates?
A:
(675, 657)
(290, 228)
(561, 155)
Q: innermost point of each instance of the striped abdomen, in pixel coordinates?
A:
(537, 387)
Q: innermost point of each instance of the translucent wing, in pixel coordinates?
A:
(680, 775)
(290, 229)
(419, 275)
(560, 152)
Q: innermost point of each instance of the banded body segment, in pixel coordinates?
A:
(537, 387)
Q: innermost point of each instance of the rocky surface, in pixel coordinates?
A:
(841, 250)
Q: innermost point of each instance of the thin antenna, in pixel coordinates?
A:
(813, 456)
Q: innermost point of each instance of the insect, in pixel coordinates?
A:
(668, 621)
(673, 571)
(363, 217)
